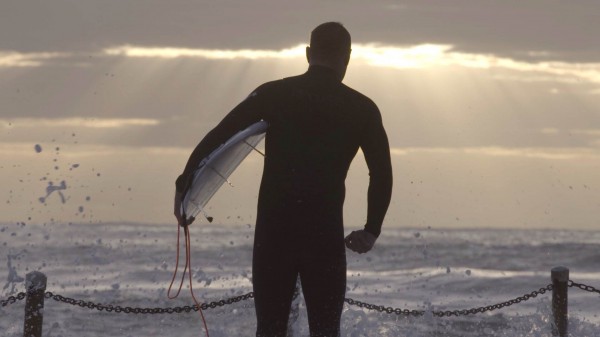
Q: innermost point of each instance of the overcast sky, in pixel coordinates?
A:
(492, 107)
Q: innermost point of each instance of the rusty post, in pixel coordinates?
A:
(35, 284)
(560, 288)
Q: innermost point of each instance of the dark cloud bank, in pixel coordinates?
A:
(531, 30)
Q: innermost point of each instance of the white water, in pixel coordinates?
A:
(132, 265)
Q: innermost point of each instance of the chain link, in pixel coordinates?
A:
(583, 287)
(130, 310)
(12, 299)
(448, 313)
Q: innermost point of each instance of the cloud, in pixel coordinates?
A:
(431, 55)
(398, 57)
(550, 131)
(16, 149)
(78, 122)
(535, 78)
(496, 151)
(582, 132)
(540, 30)
(219, 54)
(586, 132)
(14, 59)
(421, 56)
(595, 92)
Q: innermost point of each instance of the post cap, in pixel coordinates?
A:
(35, 281)
(561, 274)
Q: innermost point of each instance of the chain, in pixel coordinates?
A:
(350, 301)
(381, 308)
(12, 299)
(583, 287)
(130, 310)
(448, 313)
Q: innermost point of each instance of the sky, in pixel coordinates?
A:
(492, 107)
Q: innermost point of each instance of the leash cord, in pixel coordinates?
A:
(188, 268)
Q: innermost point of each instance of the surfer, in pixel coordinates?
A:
(316, 127)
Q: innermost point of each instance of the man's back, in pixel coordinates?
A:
(316, 126)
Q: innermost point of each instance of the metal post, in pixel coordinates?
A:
(560, 287)
(35, 283)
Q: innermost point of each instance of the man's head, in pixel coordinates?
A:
(330, 47)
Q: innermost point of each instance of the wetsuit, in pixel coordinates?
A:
(316, 126)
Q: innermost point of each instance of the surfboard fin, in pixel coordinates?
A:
(222, 177)
(208, 217)
(254, 148)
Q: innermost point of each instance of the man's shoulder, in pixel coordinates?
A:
(269, 86)
(359, 99)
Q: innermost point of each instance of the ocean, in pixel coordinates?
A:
(131, 264)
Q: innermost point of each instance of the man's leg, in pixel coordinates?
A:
(324, 286)
(274, 280)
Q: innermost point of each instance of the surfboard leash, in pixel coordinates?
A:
(188, 268)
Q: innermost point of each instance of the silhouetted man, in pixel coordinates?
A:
(316, 126)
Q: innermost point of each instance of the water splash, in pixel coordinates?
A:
(51, 188)
(13, 277)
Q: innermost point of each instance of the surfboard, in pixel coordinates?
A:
(214, 170)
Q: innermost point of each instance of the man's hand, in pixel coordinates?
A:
(177, 209)
(360, 241)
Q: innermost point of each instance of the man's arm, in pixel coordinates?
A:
(376, 149)
(251, 110)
